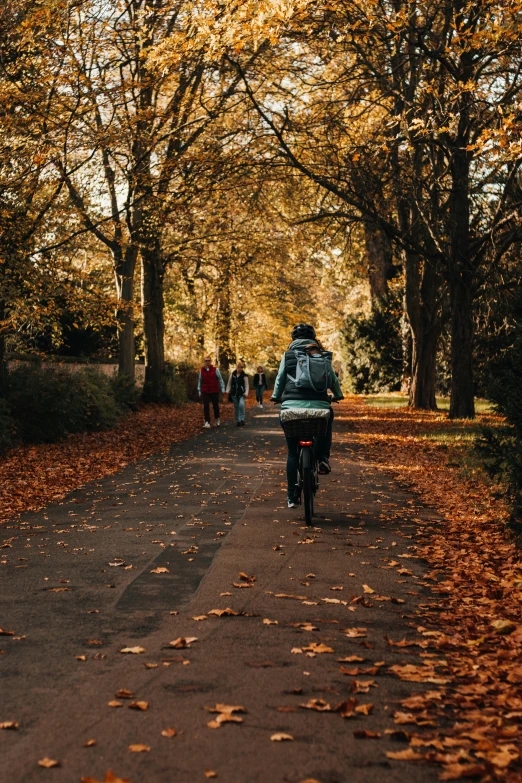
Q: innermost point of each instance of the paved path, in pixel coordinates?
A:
(80, 582)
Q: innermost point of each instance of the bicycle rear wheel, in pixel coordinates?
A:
(308, 494)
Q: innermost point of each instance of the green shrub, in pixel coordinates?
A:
(125, 391)
(501, 447)
(373, 349)
(6, 426)
(48, 403)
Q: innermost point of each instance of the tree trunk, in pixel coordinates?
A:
(378, 260)
(124, 273)
(422, 389)
(462, 395)
(3, 363)
(421, 294)
(154, 389)
(462, 399)
(224, 320)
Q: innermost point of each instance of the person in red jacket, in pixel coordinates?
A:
(210, 383)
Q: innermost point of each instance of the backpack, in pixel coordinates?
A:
(314, 368)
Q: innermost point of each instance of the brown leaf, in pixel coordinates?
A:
(346, 709)
(355, 633)
(364, 709)
(281, 737)
(133, 650)
(295, 597)
(139, 705)
(9, 725)
(110, 777)
(226, 708)
(209, 773)
(266, 621)
(169, 732)
(318, 648)
(48, 763)
(504, 626)
(114, 703)
(224, 717)
(123, 693)
(459, 771)
(224, 612)
(182, 642)
(200, 617)
(404, 755)
(368, 589)
(139, 748)
(319, 705)
(160, 570)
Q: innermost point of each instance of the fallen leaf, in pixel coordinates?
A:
(318, 648)
(346, 709)
(209, 773)
(139, 748)
(200, 617)
(281, 737)
(459, 771)
(266, 621)
(133, 650)
(224, 612)
(9, 725)
(504, 626)
(182, 642)
(160, 570)
(368, 589)
(48, 763)
(404, 755)
(139, 705)
(90, 743)
(169, 732)
(319, 705)
(123, 693)
(110, 777)
(115, 703)
(364, 709)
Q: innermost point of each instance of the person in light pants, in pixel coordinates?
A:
(238, 388)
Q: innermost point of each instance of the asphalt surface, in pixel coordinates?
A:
(79, 583)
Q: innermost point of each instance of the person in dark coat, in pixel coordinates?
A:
(260, 385)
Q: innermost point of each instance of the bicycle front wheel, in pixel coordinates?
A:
(308, 494)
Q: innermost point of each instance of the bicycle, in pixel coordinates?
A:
(306, 425)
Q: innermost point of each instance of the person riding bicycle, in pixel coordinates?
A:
(291, 395)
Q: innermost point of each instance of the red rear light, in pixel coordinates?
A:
(305, 442)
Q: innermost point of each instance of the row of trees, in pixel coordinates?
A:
(216, 152)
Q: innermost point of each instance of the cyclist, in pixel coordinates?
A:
(291, 396)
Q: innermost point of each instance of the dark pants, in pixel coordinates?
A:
(259, 393)
(212, 397)
(323, 446)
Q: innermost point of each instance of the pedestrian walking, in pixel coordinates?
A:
(210, 383)
(238, 388)
(260, 385)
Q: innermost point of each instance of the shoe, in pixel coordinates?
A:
(261, 406)
(242, 423)
(324, 467)
(292, 503)
(206, 425)
(218, 423)
(238, 424)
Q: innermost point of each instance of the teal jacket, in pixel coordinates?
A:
(282, 378)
